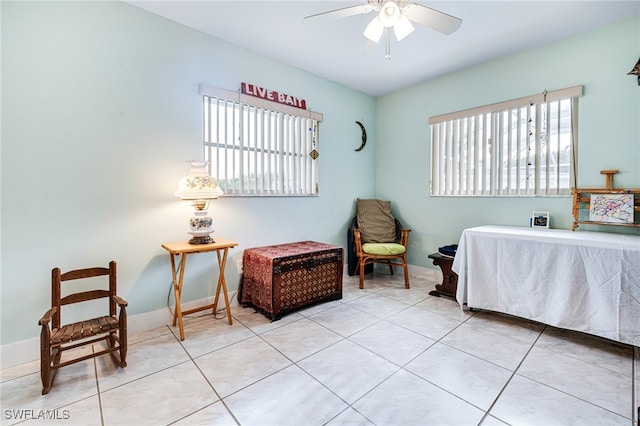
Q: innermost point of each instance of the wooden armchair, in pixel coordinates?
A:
(54, 338)
(378, 237)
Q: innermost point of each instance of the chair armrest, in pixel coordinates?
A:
(352, 257)
(120, 301)
(404, 238)
(350, 233)
(46, 318)
(357, 241)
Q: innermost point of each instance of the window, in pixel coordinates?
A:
(523, 147)
(259, 148)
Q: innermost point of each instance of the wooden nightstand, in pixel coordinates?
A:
(449, 284)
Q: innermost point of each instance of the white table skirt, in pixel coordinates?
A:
(577, 280)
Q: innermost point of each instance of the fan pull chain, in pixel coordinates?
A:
(387, 53)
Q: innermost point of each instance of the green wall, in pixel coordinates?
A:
(100, 112)
(609, 132)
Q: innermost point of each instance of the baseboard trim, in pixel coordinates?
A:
(421, 271)
(28, 350)
(24, 351)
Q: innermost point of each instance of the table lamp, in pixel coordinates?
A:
(199, 187)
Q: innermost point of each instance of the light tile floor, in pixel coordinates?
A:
(380, 356)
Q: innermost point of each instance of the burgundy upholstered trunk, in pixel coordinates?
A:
(282, 278)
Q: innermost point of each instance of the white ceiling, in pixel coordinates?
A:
(337, 50)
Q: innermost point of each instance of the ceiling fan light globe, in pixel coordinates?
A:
(389, 13)
(402, 28)
(374, 30)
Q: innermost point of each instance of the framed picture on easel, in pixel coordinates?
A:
(611, 208)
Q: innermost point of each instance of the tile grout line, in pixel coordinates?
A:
(343, 338)
(99, 394)
(486, 414)
(635, 397)
(195, 364)
(402, 367)
(549, 386)
(545, 329)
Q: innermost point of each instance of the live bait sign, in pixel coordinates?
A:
(272, 95)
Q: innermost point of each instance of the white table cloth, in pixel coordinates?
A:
(577, 280)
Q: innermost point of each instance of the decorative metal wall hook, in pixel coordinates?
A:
(364, 136)
(636, 71)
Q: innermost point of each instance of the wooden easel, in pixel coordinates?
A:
(609, 177)
(582, 201)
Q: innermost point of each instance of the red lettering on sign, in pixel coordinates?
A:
(272, 95)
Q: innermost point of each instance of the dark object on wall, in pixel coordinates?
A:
(364, 136)
(636, 71)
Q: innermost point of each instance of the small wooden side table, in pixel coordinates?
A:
(221, 247)
(449, 284)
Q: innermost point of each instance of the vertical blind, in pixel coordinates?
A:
(516, 148)
(256, 147)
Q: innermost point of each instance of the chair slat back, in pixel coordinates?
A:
(56, 282)
(84, 296)
(84, 273)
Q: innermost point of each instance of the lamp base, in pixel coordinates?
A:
(201, 240)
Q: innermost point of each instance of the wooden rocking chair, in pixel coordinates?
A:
(54, 338)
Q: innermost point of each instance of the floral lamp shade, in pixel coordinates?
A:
(198, 184)
(199, 187)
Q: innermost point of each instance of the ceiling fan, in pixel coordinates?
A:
(396, 14)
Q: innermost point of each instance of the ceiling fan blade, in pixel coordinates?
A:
(432, 18)
(340, 13)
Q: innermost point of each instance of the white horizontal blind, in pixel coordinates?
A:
(520, 150)
(256, 151)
